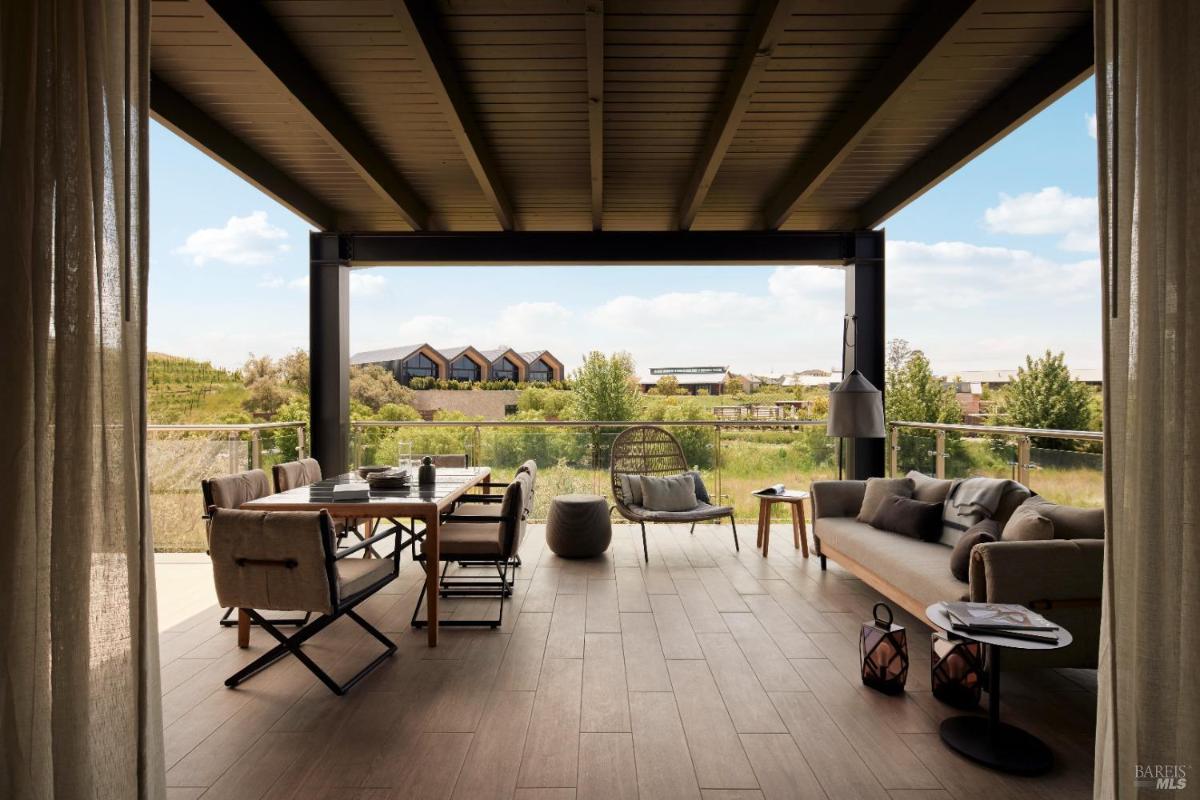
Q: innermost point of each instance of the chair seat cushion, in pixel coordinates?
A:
(356, 574)
(701, 512)
(458, 539)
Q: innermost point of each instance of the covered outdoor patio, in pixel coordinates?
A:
(600, 132)
(705, 672)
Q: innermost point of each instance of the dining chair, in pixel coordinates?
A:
(276, 560)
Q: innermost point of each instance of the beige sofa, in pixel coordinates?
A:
(1060, 577)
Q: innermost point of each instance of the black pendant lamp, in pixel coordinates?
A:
(855, 405)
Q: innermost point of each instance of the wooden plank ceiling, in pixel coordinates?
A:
(478, 115)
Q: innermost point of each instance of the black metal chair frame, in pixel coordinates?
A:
(291, 644)
(473, 586)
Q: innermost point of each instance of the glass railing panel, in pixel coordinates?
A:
(1073, 477)
(753, 458)
(565, 456)
(980, 456)
(176, 462)
(917, 449)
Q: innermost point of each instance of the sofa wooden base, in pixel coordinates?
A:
(876, 582)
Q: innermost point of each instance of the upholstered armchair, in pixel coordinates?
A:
(288, 560)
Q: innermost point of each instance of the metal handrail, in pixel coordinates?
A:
(575, 423)
(1002, 430)
(241, 427)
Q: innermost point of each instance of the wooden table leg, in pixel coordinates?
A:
(432, 562)
(243, 629)
(762, 510)
(800, 527)
(766, 536)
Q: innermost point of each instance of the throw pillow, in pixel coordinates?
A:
(910, 518)
(631, 488)
(1027, 525)
(672, 493)
(1070, 522)
(879, 488)
(927, 489)
(960, 556)
(701, 489)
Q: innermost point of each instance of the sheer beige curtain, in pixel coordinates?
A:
(79, 691)
(1148, 103)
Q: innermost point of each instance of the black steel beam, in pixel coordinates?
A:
(600, 247)
(188, 122)
(329, 353)
(593, 36)
(324, 111)
(1064, 68)
(864, 348)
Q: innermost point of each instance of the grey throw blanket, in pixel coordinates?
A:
(977, 496)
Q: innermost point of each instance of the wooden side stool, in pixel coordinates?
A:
(793, 498)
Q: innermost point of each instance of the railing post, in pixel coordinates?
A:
(894, 456)
(595, 459)
(1024, 456)
(939, 463)
(299, 441)
(235, 459)
(255, 449)
(717, 464)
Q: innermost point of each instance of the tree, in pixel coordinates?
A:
(265, 396)
(1044, 395)
(257, 367)
(293, 369)
(667, 386)
(374, 386)
(913, 393)
(605, 387)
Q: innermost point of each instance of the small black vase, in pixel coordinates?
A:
(427, 474)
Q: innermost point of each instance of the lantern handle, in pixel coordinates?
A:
(879, 623)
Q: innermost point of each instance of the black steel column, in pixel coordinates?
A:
(865, 347)
(329, 352)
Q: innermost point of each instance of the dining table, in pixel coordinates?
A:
(418, 502)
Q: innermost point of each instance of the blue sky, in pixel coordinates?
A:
(998, 261)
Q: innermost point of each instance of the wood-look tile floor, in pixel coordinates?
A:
(706, 673)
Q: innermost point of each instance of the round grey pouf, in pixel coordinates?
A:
(578, 526)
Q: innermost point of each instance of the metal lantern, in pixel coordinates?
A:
(956, 671)
(883, 649)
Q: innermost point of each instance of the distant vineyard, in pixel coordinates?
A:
(183, 390)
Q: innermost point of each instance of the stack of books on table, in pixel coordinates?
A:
(1001, 619)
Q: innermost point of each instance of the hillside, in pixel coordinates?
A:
(185, 390)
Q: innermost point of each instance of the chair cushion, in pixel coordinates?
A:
(631, 489)
(230, 491)
(909, 518)
(456, 539)
(916, 568)
(356, 574)
(669, 493)
(1070, 522)
(1027, 524)
(960, 557)
(879, 488)
(294, 474)
(701, 512)
(928, 489)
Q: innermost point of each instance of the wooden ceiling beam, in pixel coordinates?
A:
(187, 121)
(254, 26)
(929, 34)
(593, 21)
(418, 20)
(769, 22)
(1052, 76)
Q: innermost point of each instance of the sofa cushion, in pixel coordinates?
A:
(670, 493)
(960, 558)
(909, 518)
(1070, 522)
(879, 488)
(631, 489)
(927, 489)
(1010, 501)
(916, 568)
(1027, 525)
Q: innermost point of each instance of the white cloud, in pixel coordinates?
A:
(1050, 211)
(271, 282)
(1090, 121)
(244, 241)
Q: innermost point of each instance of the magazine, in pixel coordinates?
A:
(997, 617)
(774, 491)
